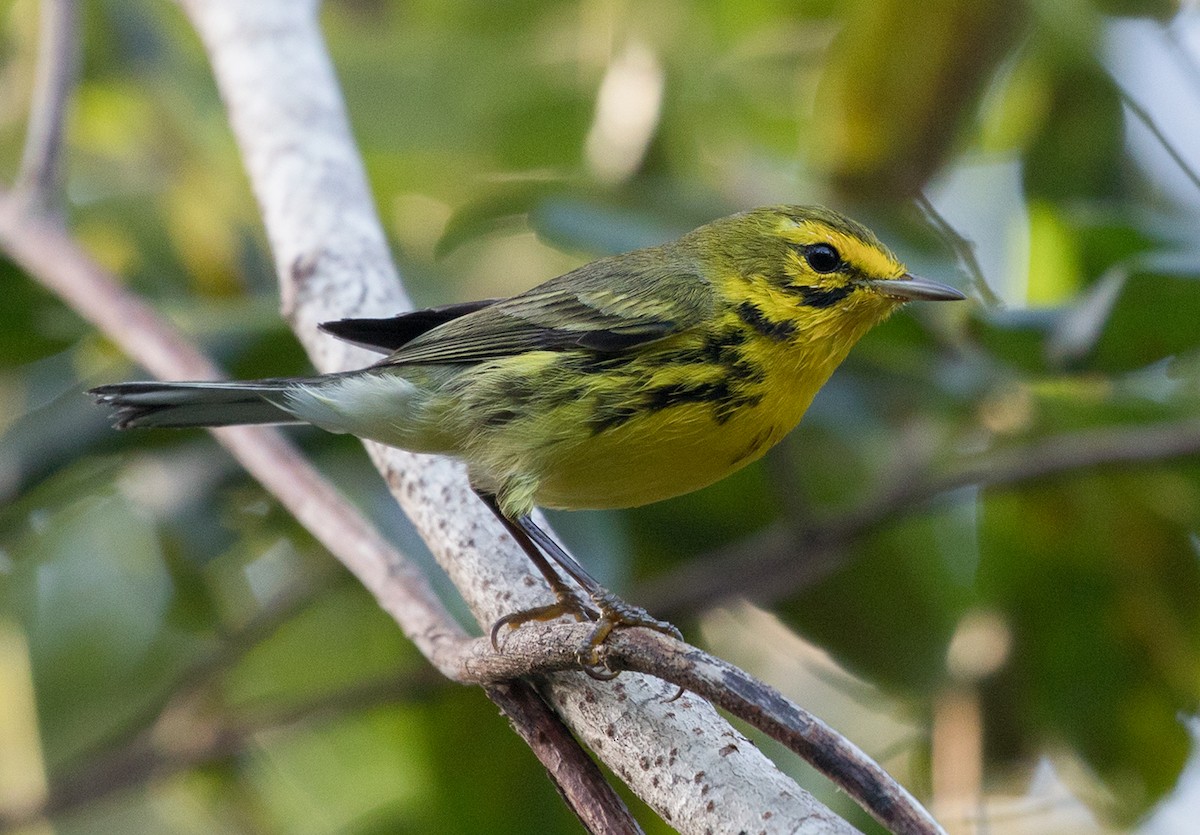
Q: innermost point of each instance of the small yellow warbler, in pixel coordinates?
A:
(631, 379)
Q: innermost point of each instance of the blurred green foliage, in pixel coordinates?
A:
(159, 595)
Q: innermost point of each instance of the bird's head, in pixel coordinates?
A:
(819, 266)
(810, 274)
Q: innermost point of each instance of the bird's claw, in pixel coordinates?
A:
(610, 612)
(615, 613)
(567, 604)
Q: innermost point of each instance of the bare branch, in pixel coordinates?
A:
(46, 252)
(330, 214)
(575, 775)
(1065, 454)
(154, 755)
(963, 249)
(40, 174)
(541, 649)
(1143, 116)
(332, 259)
(780, 559)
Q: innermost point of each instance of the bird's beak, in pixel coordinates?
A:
(914, 288)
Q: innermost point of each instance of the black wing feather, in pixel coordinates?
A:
(609, 305)
(390, 334)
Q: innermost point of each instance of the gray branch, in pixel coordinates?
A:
(535, 649)
(332, 259)
(40, 244)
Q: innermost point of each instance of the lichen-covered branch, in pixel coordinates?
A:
(331, 256)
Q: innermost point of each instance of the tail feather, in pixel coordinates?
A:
(180, 405)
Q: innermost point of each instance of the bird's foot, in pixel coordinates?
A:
(615, 613)
(568, 603)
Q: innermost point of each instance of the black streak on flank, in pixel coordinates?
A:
(719, 354)
(753, 316)
(724, 349)
(611, 417)
(725, 400)
(819, 297)
(720, 349)
(500, 417)
(518, 391)
(717, 346)
(675, 394)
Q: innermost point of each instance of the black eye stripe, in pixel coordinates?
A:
(821, 297)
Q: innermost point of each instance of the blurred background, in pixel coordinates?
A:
(978, 556)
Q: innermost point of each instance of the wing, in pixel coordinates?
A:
(387, 335)
(605, 306)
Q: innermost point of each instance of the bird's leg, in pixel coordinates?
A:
(568, 600)
(614, 612)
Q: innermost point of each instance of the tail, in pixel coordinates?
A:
(180, 405)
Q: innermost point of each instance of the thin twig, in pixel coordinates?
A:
(280, 90)
(1059, 455)
(963, 249)
(40, 174)
(1143, 116)
(780, 559)
(575, 775)
(48, 253)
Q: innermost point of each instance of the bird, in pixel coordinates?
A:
(634, 378)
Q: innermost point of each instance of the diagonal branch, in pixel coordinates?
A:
(47, 253)
(155, 755)
(576, 775)
(1143, 116)
(540, 650)
(332, 260)
(44, 249)
(288, 118)
(964, 250)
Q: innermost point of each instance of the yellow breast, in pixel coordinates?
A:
(717, 425)
(582, 429)
(654, 457)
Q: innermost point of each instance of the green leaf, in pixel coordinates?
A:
(95, 599)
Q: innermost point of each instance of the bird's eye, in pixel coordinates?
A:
(822, 258)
